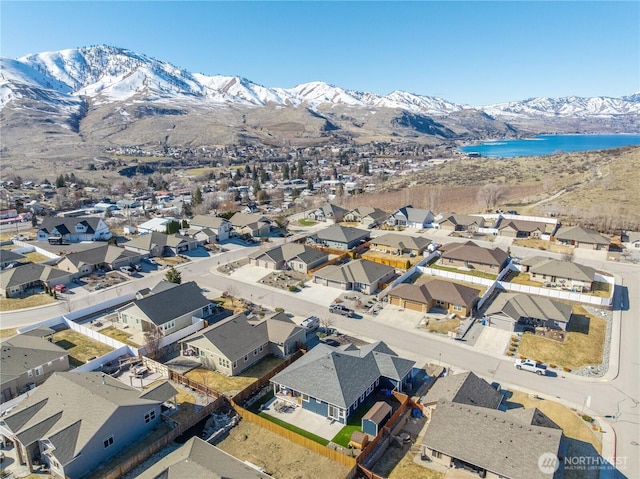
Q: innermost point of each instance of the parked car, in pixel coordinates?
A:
(60, 288)
(311, 323)
(150, 261)
(137, 267)
(532, 366)
(340, 309)
(128, 270)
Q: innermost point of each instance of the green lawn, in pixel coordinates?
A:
(79, 346)
(306, 222)
(471, 272)
(290, 427)
(354, 422)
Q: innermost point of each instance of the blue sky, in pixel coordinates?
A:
(467, 52)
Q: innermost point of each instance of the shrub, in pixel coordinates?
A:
(552, 366)
(587, 418)
(279, 310)
(568, 370)
(512, 349)
(293, 288)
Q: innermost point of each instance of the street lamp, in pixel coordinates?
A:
(439, 358)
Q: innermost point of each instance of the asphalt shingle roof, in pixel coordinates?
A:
(581, 235)
(172, 303)
(395, 240)
(340, 234)
(29, 273)
(560, 269)
(465, 388)
(473, 253)
(23, 352)
(518, 306)
(358, 271)
(491, 439)
(437, 289)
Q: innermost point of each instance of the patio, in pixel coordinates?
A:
(307, 420)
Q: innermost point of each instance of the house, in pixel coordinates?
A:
(158, 225)
(73, 230)
(160, 244)
(217, 229)
(493, 443)
(328, 212)
(107, 257)
(75, 421)
(462, 388)
(631, 240)
(168, 308)
(471, 256)
(20, 279)
(410, 217)
(359, 275)
(394, 243)
(250, 225)
(571, 275)
(518, 312)
(457, 222)
(292, 256)
(198, 459)
(8, 257)
(234, 344)
(581, 237)
(435, 294)
(333, 382)
(338, 237)
(26, 362)
(524, 229)
(366, 215)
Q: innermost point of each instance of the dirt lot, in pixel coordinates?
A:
(279, 457)
(285, 279)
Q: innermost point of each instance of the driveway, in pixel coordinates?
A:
(493, 341)
(250, 273)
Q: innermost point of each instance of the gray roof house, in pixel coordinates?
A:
(399, 244)
(582, 237)
(410, 217)
(160, 244)
(464, 388)
(517, 312)
(220, 228)
(247, 224)
(234, 344)
(524, 228)
(294, 256)
(26, 362)
(75, 421)
(73, 230)
(338, 237)
(358, 275)
(20, 279)
(572, 275)
(8, 257)
(170, 308)
(197, 459)
(105, 256)
(492, 442)
(328, 212)
(366, 215)
(333, 382)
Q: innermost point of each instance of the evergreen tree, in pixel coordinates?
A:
(173, 276)
(196, 198)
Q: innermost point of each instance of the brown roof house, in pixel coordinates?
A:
(328, 212)
(213, 229)
(366, 215)
(524, 228)
(494, 443)
(359, 275)
(581, 237)
(399, 244)
(456, 222)
(567, 273)
(519, 312)
(471, 256)
(435, 294)
(76, 421)
(26, 362)
(250, 225)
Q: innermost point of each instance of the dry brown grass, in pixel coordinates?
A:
(225, 384)
(35, 257)
(525, 279)
(119, 335)
(12, 304)
(79, 346)
(444, 326)
(583, 346)
(572, 424)
(397, 463)
(7, 333)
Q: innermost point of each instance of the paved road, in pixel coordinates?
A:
(617, 397)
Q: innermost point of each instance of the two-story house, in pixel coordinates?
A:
(212, 228)
(73, 230)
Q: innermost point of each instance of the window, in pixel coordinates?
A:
(261, 348)
(38, 370)
(108, 441)
(305, 397)
(62, 359)
(169, 325)
(49, 363)
(202, 353)
(255, 352)
(436, 454)
(150, 416)
(235, 364)
(457, 308)
(246, 358)
(30, 373)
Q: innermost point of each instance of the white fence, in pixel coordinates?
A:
(95, 335)
(105, 358)
(29, 247)
(457, 276)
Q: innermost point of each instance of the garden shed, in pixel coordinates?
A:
(376, 417)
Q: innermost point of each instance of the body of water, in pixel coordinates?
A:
(550, 145)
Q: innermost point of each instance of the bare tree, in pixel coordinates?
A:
(567, 257)
(231, 292)
(152, 341)
(326, 323)
(492, 194)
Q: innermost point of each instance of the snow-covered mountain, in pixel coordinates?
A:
(103, 74)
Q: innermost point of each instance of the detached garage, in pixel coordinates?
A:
(377, 416)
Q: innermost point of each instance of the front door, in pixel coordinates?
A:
(333, 412)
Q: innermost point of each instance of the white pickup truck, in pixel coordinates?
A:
(532, 366)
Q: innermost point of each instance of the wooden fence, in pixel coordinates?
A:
(264, 380)
(363, 471)
(296, 438)
(194, 385)
(123, 467)
(338, 259)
